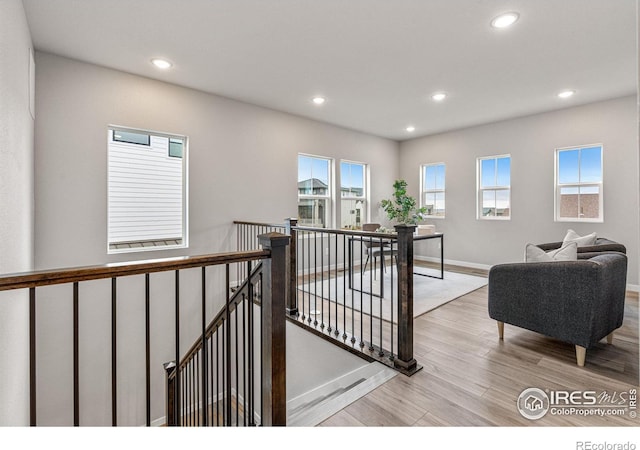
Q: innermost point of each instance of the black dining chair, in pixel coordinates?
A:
(375, 248)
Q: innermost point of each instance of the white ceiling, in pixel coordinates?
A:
(376, 61)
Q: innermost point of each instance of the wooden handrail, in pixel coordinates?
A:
(76, 274)
(390, 236)
(358, 233)
(258, 224)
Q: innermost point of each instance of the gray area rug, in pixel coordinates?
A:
(362, 292)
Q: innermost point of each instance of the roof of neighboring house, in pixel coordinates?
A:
(313, 183)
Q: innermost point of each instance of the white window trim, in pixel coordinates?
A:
(480, 189)
(185, 192)
(424, 191)
(558, 186)
(365, 182)
(331, 188)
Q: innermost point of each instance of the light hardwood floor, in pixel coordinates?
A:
(471, 378)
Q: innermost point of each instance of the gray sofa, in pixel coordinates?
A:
(579, 302)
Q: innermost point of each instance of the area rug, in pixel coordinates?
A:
(362, 292)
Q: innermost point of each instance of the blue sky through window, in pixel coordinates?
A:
(310, 167)
(434, 177)
(580, 165)
(496, 172)
(351, 179)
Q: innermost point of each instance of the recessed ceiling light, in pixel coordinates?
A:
(566, 94)
(505, 20)
(161, 63)
(410, 128)
(439, 96)
(318, 100)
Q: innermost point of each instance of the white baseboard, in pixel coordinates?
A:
(453, 262)
(159, 422)
(630, 287)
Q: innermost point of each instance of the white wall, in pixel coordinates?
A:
(16, 206)
(531, 141)
(242, 165)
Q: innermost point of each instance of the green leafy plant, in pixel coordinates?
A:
(403, 208)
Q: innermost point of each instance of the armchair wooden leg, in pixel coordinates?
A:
(581, 354)
(610, 338)
(501, 330)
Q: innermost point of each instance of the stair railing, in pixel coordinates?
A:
(337, 288)
(192, 390)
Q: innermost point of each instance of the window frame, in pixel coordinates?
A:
(494, 188)
(184, 241)
(364, 198)
(330, 213)
(424, 190)
(558, 186)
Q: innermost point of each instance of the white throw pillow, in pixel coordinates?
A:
(582, 241)
(568, 252)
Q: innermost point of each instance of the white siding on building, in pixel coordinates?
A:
(145, 192)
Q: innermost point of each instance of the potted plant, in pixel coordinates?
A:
(403, 207)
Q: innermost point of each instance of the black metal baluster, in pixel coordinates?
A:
(244, 361)
(197, 388)
(304, 264)
(393, 291)
(218, 377)
(371, 275)
(353, 310)
(228, 353)
(210, 381)
(32, 358)
(188, 402)
(315, 281)
(237, 366)
(76, 362)
(177, 339)
(335, 283)
(205, 396)
(321, 281)
(344, 285)
(223, 359)
(261, 359)
(114, 366)
(192, 391)
(147, 334)
(251, 352)
(187, 390)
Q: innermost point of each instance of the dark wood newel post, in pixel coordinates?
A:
(405, 361)
(292, 271)
(274, 336)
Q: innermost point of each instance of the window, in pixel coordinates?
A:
(494, 187)
(147, 191)
(432, 181)
(353, 195)
(579, 184)
(131, 137)
(314, 191)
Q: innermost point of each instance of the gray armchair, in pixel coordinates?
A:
(585, 252)
(579, 302)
